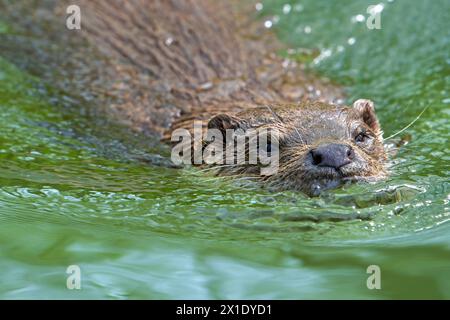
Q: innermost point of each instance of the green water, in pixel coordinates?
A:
(75, 191)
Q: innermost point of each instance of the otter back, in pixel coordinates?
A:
(157, 65)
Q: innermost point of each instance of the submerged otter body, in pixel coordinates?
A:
(168, 63)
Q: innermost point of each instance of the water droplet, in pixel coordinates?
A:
(287, 8)
(268, 24)
(206, 86)
(323, 55)
(298, 7)
(307, 29)
(168, 41)
(316, 189)
(259, 6)
(358, 18)
(351, 41)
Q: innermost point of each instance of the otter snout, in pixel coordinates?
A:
(332, 155)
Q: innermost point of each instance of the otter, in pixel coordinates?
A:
(321, 146)
(161, 65)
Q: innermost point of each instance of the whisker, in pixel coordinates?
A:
(409, 125)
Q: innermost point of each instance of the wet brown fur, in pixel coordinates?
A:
(162, 64)
(305, 126)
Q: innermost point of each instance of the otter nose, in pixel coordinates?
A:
(332, 155)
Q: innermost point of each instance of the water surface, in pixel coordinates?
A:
(78, 190)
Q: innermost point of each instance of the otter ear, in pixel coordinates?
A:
(225, 121)
(366, 110)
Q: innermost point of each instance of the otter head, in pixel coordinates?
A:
(321, 146)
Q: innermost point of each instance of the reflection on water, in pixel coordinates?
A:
(76, 190)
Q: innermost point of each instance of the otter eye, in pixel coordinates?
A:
(362, 137)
